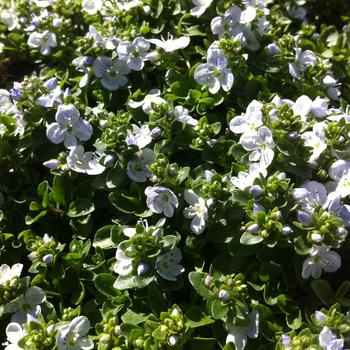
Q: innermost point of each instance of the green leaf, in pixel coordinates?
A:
(58, 190)
(115, 177)
(323, 290)
(218, 309)
(104, 283)
(33, 217)
(195, 317)
(125, 203)
(80, 207)
(197, 281)
(133, 317)
(103, 238)
(129, 282)
(249, 239)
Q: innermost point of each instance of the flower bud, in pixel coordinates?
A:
(105, 338)
(117, 330)
(109, 160)
(282, 176)
(320, 317)
(173, 340)
(277, 215)
(156, 132)
(57, 22)
(256, 190)
(272, 49)
(142, 268)
(208, 174)
(224, 295)
(304, 218)
(342, 232)
(208, 280)
(256, 208)
(172, 171)
(52, 164)
(286, 231)
(48, 258)
(32, 256)
(254, 228)
(293, 135)
(316, 237)
(210, 202)
(286, 341)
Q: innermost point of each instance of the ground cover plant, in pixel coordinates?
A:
(174, 174)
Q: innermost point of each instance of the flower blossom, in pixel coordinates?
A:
(167, 265)
(197, 211)
(153, 97)
(112, 72)
(84, 162)
(133, 53)
(7, 272)
(261, 144)
(73, 336)
(321, 258)
(214, 73)
(200, 7)
(238, 334)
(140, 137)
(43, 41)
(137, 169)
(303, 59)
(329, 340)
(161, 200)
(316, 139)
(92, 6)
(14, 333)
(69, 127)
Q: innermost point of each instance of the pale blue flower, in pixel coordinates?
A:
(112, 72)
(214, 73)
(133, 53)
(161, 200)
(69, 127)
(167, 265)
(73, 336)
(137, 169)
(329, 340)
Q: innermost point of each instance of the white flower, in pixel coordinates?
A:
(9, 18)
(14, 333)
(92, 6)
(261, 144)
(140, 137)
(43, 41)
(321, 258)
(329, 341)
(303, 59)
(112, 72)
(7, 272)
(167, 264)
(133, 53)
(153, 97)
(181, 114)
(73, 335)
(214, 73)
(332, 86)
(238, 334)
(316, 139)
(6, 105)
(126, 5)
(302, 106)
(84, 162)
(123, 266)
(27, 303)
(310, 195)
(244, 179)
(171, 44)
(339, 172)
(200, 7)
(161, 200)
(229, 23)
(197, 211)
(319, 107)
(137, 169)
(248, 122)
(53, 98)
(69, 127)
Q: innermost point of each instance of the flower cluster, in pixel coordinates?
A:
(174, 174)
